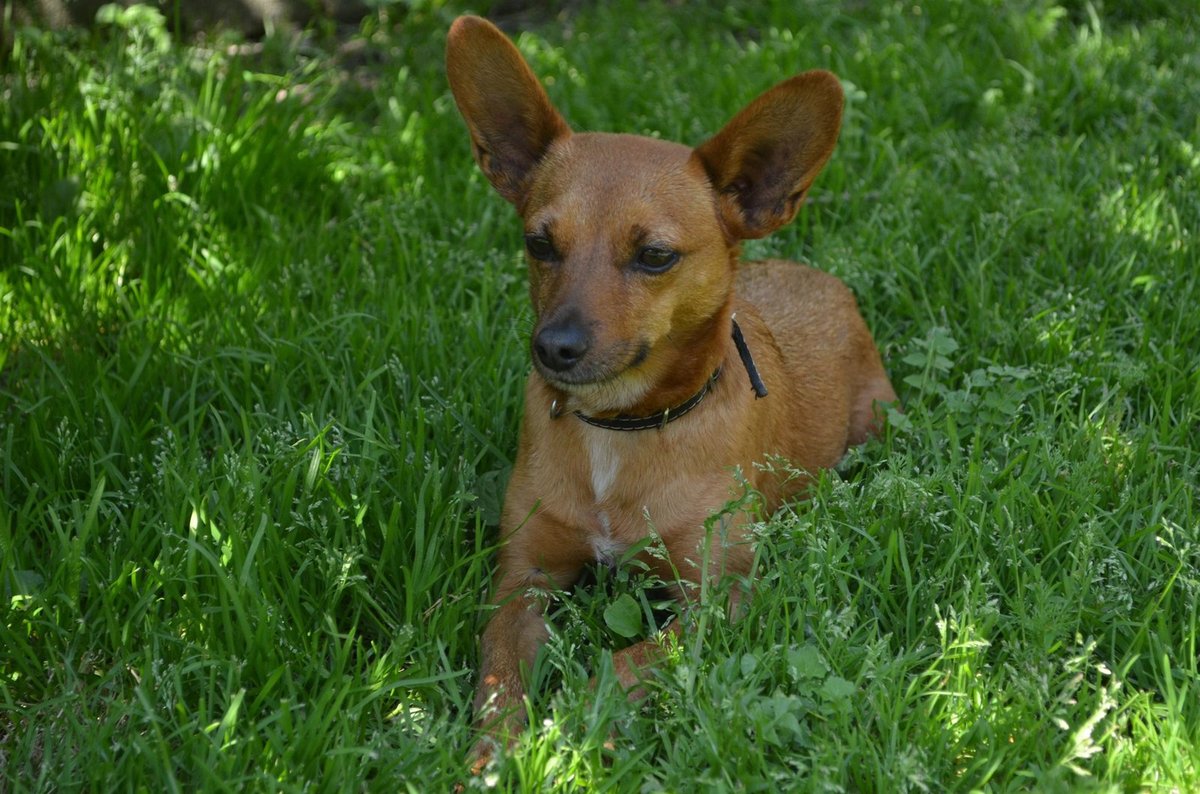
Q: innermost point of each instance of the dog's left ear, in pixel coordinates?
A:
(764, 160)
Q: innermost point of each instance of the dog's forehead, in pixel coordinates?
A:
(603, 174)
(618, 150)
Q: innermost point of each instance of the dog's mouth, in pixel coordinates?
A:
(597, 369)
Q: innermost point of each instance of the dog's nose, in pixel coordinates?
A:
(561, 346)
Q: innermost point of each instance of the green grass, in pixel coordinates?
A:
(262, 345)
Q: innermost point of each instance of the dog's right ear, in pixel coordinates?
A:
(511, 120)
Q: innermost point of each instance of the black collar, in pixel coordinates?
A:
(660, 419)
(667, 415)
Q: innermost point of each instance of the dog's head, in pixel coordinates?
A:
(633, 242)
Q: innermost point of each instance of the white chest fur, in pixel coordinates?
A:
(604, 462)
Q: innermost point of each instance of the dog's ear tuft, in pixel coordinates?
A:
(765, 159)
(508, 114)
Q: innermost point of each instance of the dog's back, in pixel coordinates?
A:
(828, 352)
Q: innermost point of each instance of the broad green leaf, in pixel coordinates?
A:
(806, 662)
(837, 688)
(624, 616)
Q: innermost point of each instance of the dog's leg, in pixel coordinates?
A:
(692, 557)
(633, 664)
(517, 630)
(510, 643)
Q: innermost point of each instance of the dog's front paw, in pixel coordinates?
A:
(482, 754)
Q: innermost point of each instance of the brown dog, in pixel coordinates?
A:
(653, 343)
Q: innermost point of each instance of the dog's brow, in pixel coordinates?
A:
(544, 228)
(667, 237)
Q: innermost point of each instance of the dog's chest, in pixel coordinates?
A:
(637, 482)
(642, 483)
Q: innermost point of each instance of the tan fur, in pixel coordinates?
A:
(580, 493)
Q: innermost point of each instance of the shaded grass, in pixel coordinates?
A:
(262, 346)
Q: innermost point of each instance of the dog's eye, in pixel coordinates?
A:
(656, 260)
(540, 248)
